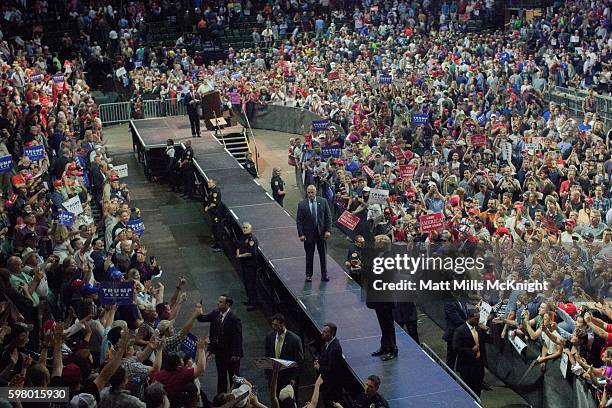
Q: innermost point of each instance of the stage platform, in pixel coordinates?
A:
(411, 380)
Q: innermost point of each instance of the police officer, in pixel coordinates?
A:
(278, 186)
(249, 165)
(247, 255)
(171, 164)
(353, 257)
(370, 398)
(212, 206)
(187, 170)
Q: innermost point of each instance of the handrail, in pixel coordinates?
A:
(254, 142)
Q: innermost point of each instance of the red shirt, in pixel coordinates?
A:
(174, 381)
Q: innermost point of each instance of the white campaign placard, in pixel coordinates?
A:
(378, 196)
(122, 170)
(563, 364)
(506, 151)
(516, 341)
(73, 205)
(485, 311)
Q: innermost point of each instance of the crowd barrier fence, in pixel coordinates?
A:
(120, 112)
(573, 98)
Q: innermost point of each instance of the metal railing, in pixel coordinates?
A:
(573, 97)
(111, 113)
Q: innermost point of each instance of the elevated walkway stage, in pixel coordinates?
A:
(411, 380)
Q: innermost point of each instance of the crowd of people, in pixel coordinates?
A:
(437, 119)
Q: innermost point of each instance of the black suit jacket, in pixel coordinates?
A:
(291, 350)
(330, 365)
(455, 316)
(225, 338)
(305, 223)
(193, 108)
(463, 341)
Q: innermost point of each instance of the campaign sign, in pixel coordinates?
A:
(189, 345)
(136, 225)
(36, 78)
(138, 64)
(6, 164)
(320, 125)
(419, 119)
(289, 78)
(65, 218)
(34, 152)
(122, 170)
(378, 196)
(316, 70)
(333, 75)
(533, 143)
(431, 222)
(478, 140)
(482, 119)
(398, 153)
(330, 151)
(385, 79)
(116, 293)
(73, 205)
(58, 78)
(348, 220)
(219, 72)
(406, 171)
(367, 170)
(237, 75)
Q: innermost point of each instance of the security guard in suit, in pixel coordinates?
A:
(247, 255)
(353, 257)
(212, 206)
(278, 186)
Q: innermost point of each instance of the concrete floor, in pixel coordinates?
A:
(178, 235)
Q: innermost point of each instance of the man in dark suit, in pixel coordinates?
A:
(284, 344)
(469, 344)
(314, 227)
(225, 340)
(193, 100)
(455, 314)
(384, 310)
(329, 365)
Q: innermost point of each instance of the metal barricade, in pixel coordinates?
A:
(573, 98)
(111, 113)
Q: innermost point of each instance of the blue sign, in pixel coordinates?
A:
(419, 119)
(189, 345)
(320, 125)
(6, 164)
(58, 78)
(219, 72)
(385, 79)
(237, 75)
(65, 218)
(34, 152)
(136, 225)
(116, 293)
(138, 64)
(289, 78)
(482, 119)
(36, 78)
(330, 151)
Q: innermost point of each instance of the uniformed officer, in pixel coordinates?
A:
(370, 398)
(247, 255)
(353, 257)
(249, 165)
(187, 170)
(171, 165)
(278, 186)
(212, 206)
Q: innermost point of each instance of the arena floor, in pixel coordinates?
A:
(177, 232)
